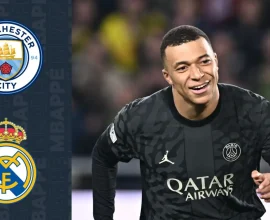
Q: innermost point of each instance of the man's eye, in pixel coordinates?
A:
(206, 61)
(181, 69)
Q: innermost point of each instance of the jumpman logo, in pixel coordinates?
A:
(165, 159)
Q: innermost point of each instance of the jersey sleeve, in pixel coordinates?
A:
(118, 137)
(265, 130)
(114, 145)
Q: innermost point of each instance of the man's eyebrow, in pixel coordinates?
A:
(188, 63)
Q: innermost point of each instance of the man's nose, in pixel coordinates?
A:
(196, 73)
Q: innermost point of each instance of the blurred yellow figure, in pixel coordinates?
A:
(121, 41)
(122, 32)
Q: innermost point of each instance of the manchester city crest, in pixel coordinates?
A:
(11, 58)
(20, 57)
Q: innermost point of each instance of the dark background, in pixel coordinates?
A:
(32, 109)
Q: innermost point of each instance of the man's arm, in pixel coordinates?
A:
(111, 147)
(263, 179)
(265, 131)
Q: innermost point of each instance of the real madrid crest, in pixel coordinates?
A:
(17, 167)
(20, 57)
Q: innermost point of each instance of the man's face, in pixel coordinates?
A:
(191, 68)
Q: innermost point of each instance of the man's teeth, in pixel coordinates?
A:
(201, 86)
(198, 87)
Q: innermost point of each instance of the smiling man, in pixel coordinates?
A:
(199, 142)
(191, 68)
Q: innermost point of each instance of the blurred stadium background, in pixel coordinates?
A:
(116, 59)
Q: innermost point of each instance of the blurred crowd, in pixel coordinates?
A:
(116, 54)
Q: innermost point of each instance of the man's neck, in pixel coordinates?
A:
(195, 112)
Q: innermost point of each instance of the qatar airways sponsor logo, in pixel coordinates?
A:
(206, 187)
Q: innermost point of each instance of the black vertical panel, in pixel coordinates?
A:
(42, 108)
(199, 151)
(200, 163)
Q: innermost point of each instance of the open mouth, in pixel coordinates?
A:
(200, 87)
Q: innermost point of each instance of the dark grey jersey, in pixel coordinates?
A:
(189, 169)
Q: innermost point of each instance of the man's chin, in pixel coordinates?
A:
(201, 100)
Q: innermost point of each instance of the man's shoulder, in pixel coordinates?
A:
(144, 105)
(142, 112)
(248, 104)
(241, 95)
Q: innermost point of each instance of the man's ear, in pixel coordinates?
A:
(167, 76)
(216, 59)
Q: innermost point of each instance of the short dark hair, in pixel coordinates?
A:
(179, 35)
